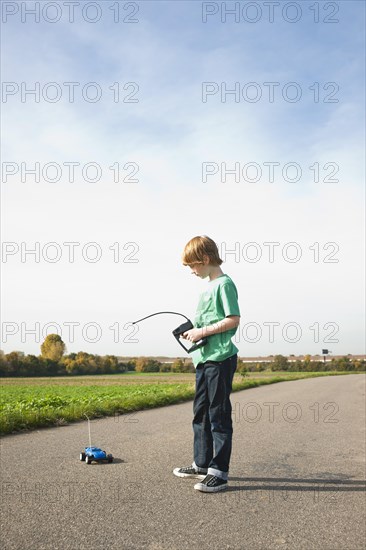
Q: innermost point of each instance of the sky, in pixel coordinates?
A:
(152, 122)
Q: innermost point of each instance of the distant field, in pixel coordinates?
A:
(126, 379)
(28, 403)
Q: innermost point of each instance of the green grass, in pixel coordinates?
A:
(30, 403)
(31, 406)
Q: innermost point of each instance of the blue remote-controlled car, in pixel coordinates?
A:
(96, 454)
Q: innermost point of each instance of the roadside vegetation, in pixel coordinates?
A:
(55, 389)
(31, 403)
(53, 362)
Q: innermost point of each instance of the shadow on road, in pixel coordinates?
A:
(115, 461)
(331, 485)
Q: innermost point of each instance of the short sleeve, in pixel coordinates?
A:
(229, 299)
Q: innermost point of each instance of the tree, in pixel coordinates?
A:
(144, 364)
(48, 367)
(279, 363)
(70, 365)
(241, 366)
(85, 363)
(343, 364)
(13, 362)
(359, 365)
(260, 367)
(307, 363)
(243, 371)
(181, 365)
(131, 365)
(165, 367)
(32, 365)
(110, 364)
(177, 365)
(53, 347)
(296, 366)
(188, 366)
(3, 365)
(122, 367)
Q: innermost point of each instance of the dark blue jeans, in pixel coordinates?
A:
(212, 423)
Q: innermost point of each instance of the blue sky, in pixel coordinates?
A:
(168, 134)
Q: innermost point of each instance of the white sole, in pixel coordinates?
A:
(205, 489)
(177, 473)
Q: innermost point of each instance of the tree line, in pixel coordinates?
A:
(53, 362)
(282, 363)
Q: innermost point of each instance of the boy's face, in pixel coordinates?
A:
(201, 270)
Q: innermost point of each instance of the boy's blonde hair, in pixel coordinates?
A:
(197, 248)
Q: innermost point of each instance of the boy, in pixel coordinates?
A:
(217, 317)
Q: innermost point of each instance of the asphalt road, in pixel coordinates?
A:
(297, 478)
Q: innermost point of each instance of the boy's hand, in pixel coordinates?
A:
(193, 335)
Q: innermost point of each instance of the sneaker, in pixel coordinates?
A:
(189, 472)
(211, 484)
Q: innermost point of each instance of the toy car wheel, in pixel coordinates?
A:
(110, 458)
(82, 457)
(88, 459)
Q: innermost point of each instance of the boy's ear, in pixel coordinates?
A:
(206, 259)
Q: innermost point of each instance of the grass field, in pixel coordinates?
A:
(29, 403)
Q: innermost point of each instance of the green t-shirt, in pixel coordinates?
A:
(217, 302)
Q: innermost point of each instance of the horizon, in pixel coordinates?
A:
(327, 357)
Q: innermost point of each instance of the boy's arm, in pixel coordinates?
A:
(195, 334)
